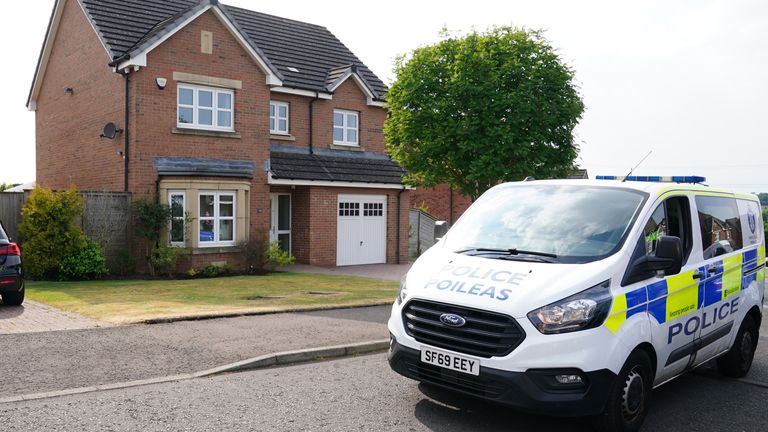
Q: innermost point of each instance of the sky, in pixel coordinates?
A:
(685, 80)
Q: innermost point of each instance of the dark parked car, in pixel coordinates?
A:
(11, 280)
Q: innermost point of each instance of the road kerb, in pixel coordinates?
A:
(260, 362)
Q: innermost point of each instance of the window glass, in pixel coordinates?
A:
(272, 124)
(655, 228)
(205, 98)
(185, 115)
(576, 223)
(338, 134)
(207, 215)
(227, 230)
(338, 119)
(225, 119)
(720, 225)
(282, 125)
(3, 236)
(283, 111)
(352, 135)
(352, 120)
(272, 110)
(205, 117)
(177, 218)
(186, 96)
(225, 101)
(284, 212)
(278, 117)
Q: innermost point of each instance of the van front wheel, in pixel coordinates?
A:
(627, 403)
(737, 361)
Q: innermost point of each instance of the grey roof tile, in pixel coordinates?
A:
(124, 25)
(183, 166)
(334, 166)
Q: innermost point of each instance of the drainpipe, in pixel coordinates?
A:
(450, 206)
(397, 242)
(311, 131)
(126, 142)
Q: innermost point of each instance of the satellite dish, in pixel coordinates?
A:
(110, 130)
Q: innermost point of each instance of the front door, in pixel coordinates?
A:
(280, 226)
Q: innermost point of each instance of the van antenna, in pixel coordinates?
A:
(638, 164)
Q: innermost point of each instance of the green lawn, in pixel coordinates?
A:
(131, 301)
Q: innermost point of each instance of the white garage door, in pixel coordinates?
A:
(361, 230)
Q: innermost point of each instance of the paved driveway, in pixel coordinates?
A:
(33, 317)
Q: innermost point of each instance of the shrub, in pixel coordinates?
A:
(276, 256)
(210, 271)
(88, 263)
(162, 259)
(49, 232)
(151, 219)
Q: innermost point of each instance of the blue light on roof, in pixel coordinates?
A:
(660, 179)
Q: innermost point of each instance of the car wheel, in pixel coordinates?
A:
(14, 299)
(627, 403)
(737, 361)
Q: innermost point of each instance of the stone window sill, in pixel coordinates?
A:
(347, 148)
(208, 133)
(215, 250)
(280, 137)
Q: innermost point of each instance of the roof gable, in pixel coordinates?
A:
(293, 54)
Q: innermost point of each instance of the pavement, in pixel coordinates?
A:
(51, 361)
(376, 271)
(33, 317)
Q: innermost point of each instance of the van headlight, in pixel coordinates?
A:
(585, 310)
(403, 291)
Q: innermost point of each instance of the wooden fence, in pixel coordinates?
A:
(106, 219)
(421, 232)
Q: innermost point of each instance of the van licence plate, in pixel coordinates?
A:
(450, 361)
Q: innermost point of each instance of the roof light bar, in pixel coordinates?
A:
(661, 179)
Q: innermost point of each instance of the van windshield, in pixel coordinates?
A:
(564, 223)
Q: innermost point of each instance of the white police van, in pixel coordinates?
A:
(577, 297)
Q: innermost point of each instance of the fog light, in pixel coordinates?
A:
(568, 379)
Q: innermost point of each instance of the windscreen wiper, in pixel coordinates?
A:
(512, 251)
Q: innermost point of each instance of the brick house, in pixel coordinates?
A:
(253, 126)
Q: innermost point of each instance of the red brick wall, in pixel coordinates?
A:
(323, 218)
(348, 97)
(154, 111)
(69, 150)
(437, 202)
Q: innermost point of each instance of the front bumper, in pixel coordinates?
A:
(527, 391)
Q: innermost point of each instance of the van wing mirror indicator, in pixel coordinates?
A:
(668, 258)
(441, 228)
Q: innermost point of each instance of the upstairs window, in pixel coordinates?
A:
(345, 126)
(278, 118)
(205, 108)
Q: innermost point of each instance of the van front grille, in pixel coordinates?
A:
(485, 334)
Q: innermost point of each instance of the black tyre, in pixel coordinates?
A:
(737, 361)
(627, 403)
(14, 299)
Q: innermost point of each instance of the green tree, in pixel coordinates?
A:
(477, 110)
(49, 230)
(763, 198)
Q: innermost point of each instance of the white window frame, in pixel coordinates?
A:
(183, 218)
(196, 108)
(217, 218)
(275, 119)
(345, 128)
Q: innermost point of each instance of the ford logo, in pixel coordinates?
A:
(452, 320)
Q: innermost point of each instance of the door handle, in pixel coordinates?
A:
(361, 242)
(698, 275)
(712, 270)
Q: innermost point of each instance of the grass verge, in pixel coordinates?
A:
(133, 301)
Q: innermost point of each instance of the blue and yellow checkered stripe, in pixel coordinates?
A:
(682, 294)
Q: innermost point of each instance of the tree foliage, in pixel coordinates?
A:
(763, 198)
(49, 230)
(484, 108)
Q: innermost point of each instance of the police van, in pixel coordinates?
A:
(578, 297)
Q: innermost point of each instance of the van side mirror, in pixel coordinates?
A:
(441, 228)
(668, 258)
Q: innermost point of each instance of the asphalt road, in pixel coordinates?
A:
(41, 362)
(358, 394)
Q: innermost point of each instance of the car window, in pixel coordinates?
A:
(655, 227)
(3, 236)
(720, 225)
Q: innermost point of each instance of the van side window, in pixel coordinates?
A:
(671, 218)
(720, 225)
(655, 228)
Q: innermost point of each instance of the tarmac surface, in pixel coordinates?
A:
(48, 361)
